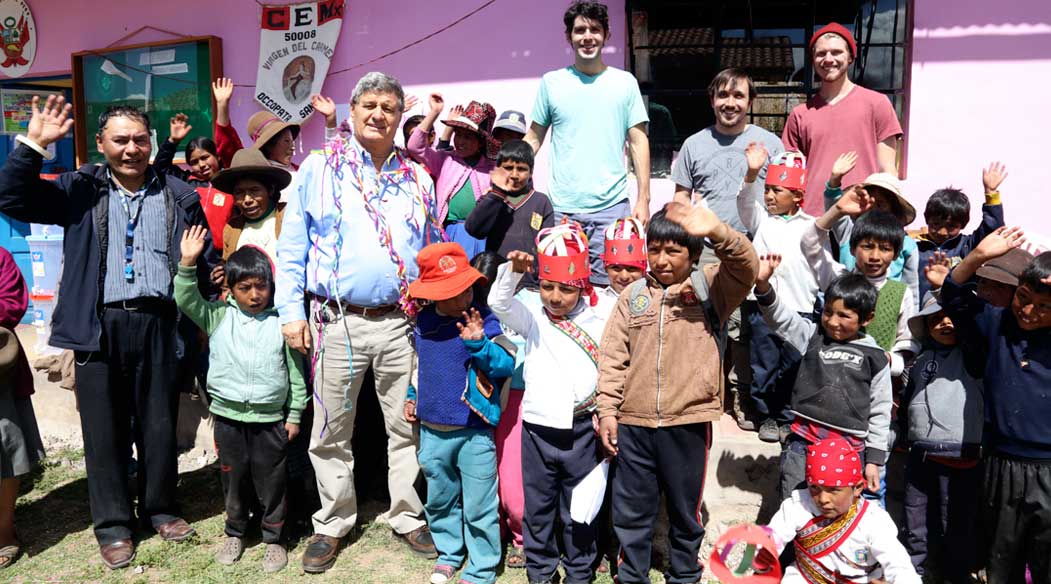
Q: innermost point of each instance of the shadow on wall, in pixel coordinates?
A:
(753, 474)
(1015, 31)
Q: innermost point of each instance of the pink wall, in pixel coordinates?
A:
(980, 85)
(496, 55)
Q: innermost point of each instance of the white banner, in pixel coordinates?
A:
(296, 45)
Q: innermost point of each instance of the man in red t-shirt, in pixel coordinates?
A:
(842, 117)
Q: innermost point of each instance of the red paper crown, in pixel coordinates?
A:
(788, 170)
(625, 241)
(753, 565)
(562, 254)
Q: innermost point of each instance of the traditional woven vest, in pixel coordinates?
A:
(884, 327)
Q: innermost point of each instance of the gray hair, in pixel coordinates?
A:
(376, 82)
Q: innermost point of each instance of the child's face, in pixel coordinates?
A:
(502, 135)
(411, 127)
(841, 323)
(940, 229)
(466, 143)
(558, 298)
(252, 294)
(251, 197)
(1032, 309)
(996, 293)
(833, 502)
(873, 257)
(941, 328)
(781, 201)
(203, 163)
(883, 200)
(518, 174)
(457, 304)
(621, 276)
(670, 262)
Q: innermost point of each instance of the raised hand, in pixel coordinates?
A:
(767, 265)
(756, 156)
(437, 103)
(456, 112)
(843, 165)
(937, 269)
(51, 122)
(411, 101)
(854, 202)
(218, 275)
(521, 262)
(697, 221)
(324, 106)
(223, 89)
(474, 330)
(192, 244)
(993, 175)
(999, 242)
(180, 128)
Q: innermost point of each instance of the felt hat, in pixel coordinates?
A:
(836, 29)
(787, 169)
(562, 255)
(752, 566)
(625, 242)
(250, 163)
(906, 212)
(445, 272)
(1007, 268)
(511, 120)
(918, 322)
(478, 117)
(263, 126)
(831, 463)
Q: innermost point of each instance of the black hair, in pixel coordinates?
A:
(250, 262)
(879, 226)
(948, 204)
(516, 151)
(123, 111)
(663, 229)
(407, 127)
(201, 143)
(730, 77)
(856, 292)
(590, 10)
(486, 262)
(1037, 270)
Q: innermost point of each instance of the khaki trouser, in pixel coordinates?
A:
(385, 344)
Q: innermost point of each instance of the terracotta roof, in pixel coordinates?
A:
(762, 53)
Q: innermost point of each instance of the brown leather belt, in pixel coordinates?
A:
(345, 308)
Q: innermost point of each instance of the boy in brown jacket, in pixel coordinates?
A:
(660, 383)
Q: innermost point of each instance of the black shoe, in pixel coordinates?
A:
(784, 431)
(768, 432)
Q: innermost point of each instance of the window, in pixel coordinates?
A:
(677, 46)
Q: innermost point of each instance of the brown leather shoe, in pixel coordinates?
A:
(320, 554)
(175, 530)
(117, 554)
(420, 542)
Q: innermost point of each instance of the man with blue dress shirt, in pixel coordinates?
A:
(357, 216)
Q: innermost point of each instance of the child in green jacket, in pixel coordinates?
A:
(256, 387)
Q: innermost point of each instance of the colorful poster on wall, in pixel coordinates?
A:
(17, 106)
(18, 34)
(296, 45)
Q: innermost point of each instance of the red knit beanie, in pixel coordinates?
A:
(836, 29)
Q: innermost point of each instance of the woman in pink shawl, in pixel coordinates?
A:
(20, 444)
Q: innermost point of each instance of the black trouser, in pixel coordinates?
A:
(134, 373)
(553, 462)
(252, 453)
(1016, 520)
(649, 461)
(939, 513)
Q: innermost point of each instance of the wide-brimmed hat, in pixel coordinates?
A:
(478, 117)
(250, 163)
(891, 184)
(511, 120)
(263, 126)
(445, 272)
(1007, 268)
(918, 322)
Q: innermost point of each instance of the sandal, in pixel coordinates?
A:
(516, 557)
(9, 554)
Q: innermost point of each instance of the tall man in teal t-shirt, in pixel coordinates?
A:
(592, 109)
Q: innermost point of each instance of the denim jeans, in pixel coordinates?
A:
(594, 225)
(462, 505)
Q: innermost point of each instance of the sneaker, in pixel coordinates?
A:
(231, 551)
(769, 431)
(783, 431)
(442, 574)
(275, 558)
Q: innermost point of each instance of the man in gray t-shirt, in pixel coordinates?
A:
(711, 162)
